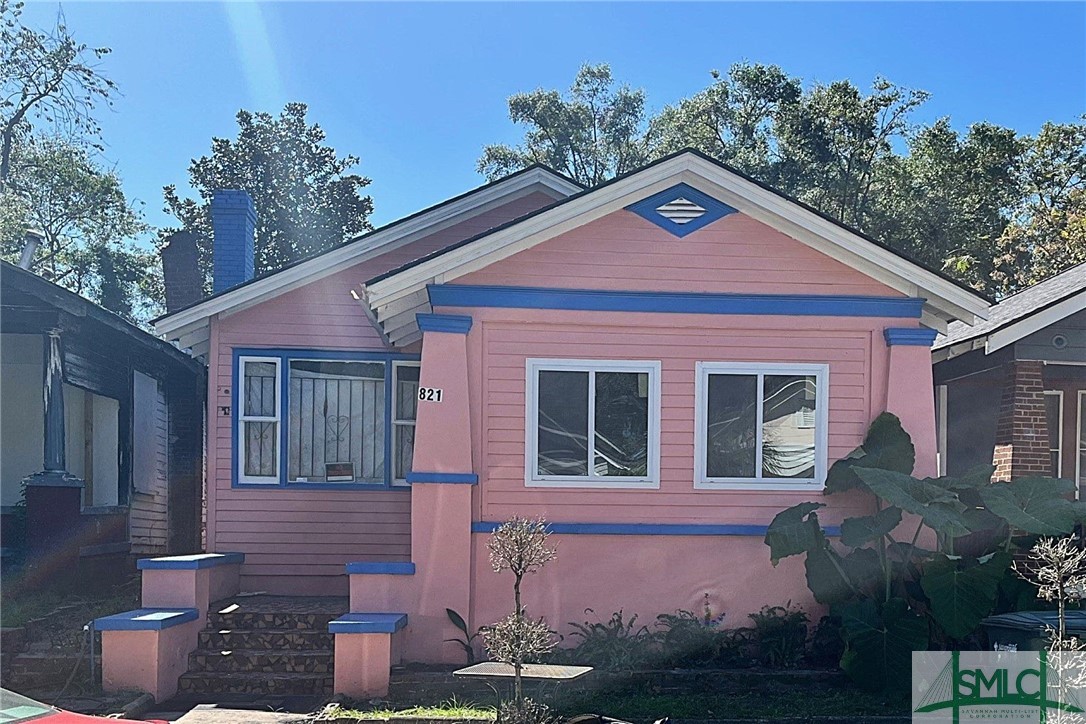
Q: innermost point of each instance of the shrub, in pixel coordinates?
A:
(617, 644)
(778, 638)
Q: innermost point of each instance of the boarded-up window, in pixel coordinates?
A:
(336, 424)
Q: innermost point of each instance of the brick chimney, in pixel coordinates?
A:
(181, 271)
(233, 220)
(1021, 448)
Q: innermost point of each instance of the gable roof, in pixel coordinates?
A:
(14, 278)
(188, 326)
(401, 292)
(1019, 315)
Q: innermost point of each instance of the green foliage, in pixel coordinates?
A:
(779, 636)
(879, 641)
(594, 134)
(467, 639)
(617, 644)
(892, 594)
(306, 198)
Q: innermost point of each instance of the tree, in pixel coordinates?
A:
(87, 225)
(306, 200)
(1047, 231)
(732, 120)
(48, 78)
(594, 134)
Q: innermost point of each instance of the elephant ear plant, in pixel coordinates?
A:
(893, 596)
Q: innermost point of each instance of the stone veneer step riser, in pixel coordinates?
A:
(282, 621)
(265, 640)
(280, 684)
(265, 662)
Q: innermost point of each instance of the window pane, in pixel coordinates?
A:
(1055, 431)
(407, 392)
(336, 421)
(261, 448)
(562, 439)
(788, 426)
(622, 424)
(1082, 440)
(259, 389)
(731, 421)
(405, 449)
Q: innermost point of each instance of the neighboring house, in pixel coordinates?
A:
(1012, 389)
(102, 424)
(657, 365)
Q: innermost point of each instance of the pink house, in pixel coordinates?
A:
(657, 365)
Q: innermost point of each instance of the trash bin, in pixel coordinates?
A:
(1028, 630)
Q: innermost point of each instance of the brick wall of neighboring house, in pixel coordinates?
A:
(1021, 447)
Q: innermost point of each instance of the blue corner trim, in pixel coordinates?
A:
(648, 529)
(714, 210)
(451, 323)
(374, 567)
(915, 336)
(362, 623)
(594, 300)
(189, 563)
(146, 619)
(424, 477)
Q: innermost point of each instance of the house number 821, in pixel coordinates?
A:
(430, 394)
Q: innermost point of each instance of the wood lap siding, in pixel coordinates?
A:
(294, 537)
(148, 511)
(734, 255)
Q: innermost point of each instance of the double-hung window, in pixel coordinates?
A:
(760, 426)
(258, 421)
(331, 419)
(592, 423)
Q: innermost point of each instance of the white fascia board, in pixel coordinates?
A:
(1010, 334)
(946, 300)
(379, 242)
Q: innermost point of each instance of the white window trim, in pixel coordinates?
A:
(1058, 449)
(532, 368)
(1080, 429)
(396, 365)
(243, 418)
(821, 373)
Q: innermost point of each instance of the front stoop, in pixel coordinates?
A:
(269, 645)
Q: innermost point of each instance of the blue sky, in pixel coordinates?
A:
(416, 90)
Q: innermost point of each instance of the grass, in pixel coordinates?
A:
(647, 706)
(453, 710)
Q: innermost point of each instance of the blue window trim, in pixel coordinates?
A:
(595, 300)
(284, 356)
(714, 210)
(649, 529)
(911, 336)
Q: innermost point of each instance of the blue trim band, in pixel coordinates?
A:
(189, 563)
(451, 323)
(913, 336)
(594, 300)
(363, 623)
(424, 477)
(648, 529)
(714, 210)
(378, 567)
(146, 619)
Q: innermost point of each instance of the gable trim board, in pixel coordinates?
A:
(1016, 329)
(402, 289)
(189, 326)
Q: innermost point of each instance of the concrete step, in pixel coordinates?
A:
(265, 639)
(282, 613)
(254, 683)
(262, 661)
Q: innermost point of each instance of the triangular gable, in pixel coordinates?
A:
(684, 181)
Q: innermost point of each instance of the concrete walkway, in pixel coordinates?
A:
(216, 714)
